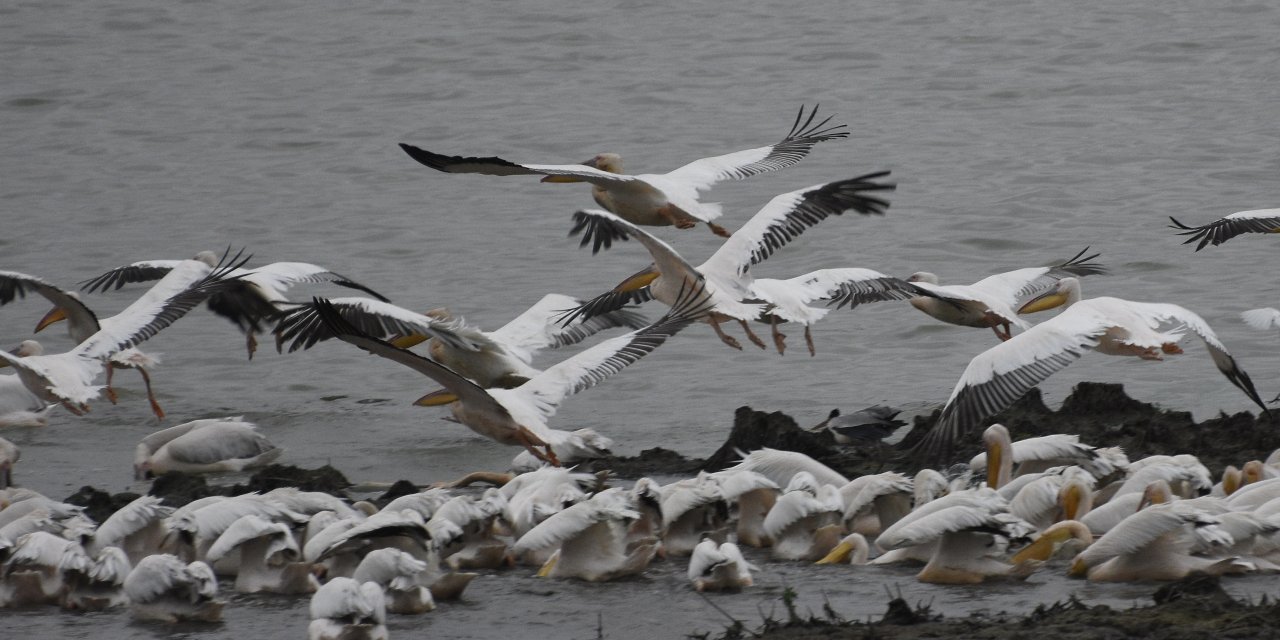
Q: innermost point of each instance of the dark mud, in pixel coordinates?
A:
(1194, 608)
(177, 488)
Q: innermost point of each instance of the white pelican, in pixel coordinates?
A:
(10, 453)
(653, 199)
(875, 502)
(1054, 497)
(162, 587)
(993, 301)
(1262, 319)
(1037, 454)
(1228, 227)
(1000, 375)
(721, 567)
(194, 528)
(518, 416)
(400, 575)
(501, 358)
(68, 378)
(751, 495)
(39, 570)
(344, 609)
(257, 296)
(693, 509)
(727, 271)
(82, 323)
(137, 528)
(779, 466)
(101, 585)
(805, 522)
(1155, 544)
(477, 547)
(969, 533)
(590, 539)
(204, 446)
(269, 558)
(852, 549)
(19, 407)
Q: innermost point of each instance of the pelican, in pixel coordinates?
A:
(501, 358)
(1262, 319)
(204, 446)
(862, 427)
(590, 539)
(344, 609)
(39, 570)
(653, 199)
(1228, 227)
(257, 296)
(19, 407)
(720, 567)
(137, 528)
(400, 576)
(727, 270)
(1155, 544)
(992, 301)
(1000, 375)
(518, 416)
(269, 558)
(162, 587)
(68, 378)
(9, 456)
(101, 585)
(1037, 454)
(805, 522)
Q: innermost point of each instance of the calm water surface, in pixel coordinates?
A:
(1018, 132)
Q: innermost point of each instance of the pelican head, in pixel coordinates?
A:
(853, 549)
(835, 413)
(1063, 294)
(208, 257)
(999, 455)
(1052, 538)
(610, 162)
(923, 276)
(28, 348)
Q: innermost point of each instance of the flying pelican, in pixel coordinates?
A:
(501, 358)
(991, 301)
(653, 199)
(68, 378)
(518, 416)
(256, 297)
(1000, 375)
(727, 270)
(1226, 228)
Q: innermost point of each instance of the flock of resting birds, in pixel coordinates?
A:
(1123, 520)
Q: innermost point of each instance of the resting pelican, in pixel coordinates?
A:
(257, 296)
(1000, 375)
(1226, 228)
(344, 609)
(992, 301)
(518, 416)
(727, 270)
(653, 199)
(68, 378)
(204, 446)
(501, 358)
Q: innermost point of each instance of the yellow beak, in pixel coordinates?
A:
(838, 555)
(437, 398)
(638, 281)
(1044, 303)
(562, 179)
(55, 315)
(404, 342)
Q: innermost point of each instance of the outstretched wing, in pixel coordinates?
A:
(305, 327)
(537, 329)
(144, 271)
(14, 285)
(494, 166)
(1228, 227)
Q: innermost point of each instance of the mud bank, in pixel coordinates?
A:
(1194, 608)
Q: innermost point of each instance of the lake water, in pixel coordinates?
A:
(1018, 132)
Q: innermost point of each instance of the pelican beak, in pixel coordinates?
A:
(838, 555)
(404, 342)
(549, 566)
(1071, 503)
(55, 315)
(995, 455)
(561, 179)
(1040, 550)
(437, 398)
(1044, 302)
(1078, 569)
(639, 280)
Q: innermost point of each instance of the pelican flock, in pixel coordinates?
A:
(1051, 503)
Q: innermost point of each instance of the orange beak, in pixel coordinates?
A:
(55, 315)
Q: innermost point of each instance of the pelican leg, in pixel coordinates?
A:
(532, 442)
(808, 340)
(151, 396)
(724, 337)
(1171, 348)
(779, 340)
(111, 393)
(1003, 335)
(718, 230)
(755, 339)
(678, 218)
(250, 343)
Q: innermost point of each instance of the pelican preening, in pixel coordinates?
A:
(999, 376)
(654, 199)
(993, 301)
(727, 271)
(1228, 227)
(518, 416)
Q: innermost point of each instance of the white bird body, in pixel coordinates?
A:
(693, 509)
(136, 528)
(1037, 454)
(720, 567)
(589, 539)
(19, 407)
(102, 586)
(10, 453)
(805, 522)
(205, 446)
(268, 559)
(780, 466)
(162, 587)
(39, 570)
(344, 609)
(753, 496)
(401, 577)
(1155, 544)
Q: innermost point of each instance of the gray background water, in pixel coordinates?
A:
(1019, 132)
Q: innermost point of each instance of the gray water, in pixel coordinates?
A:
(1019, 132)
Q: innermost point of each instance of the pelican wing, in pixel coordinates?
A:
(1000, 375)
(185, 286)
(1262, 319)
(494, 166)
(246, 528)
(15, 285)
(1014, 287)
(278, 277)
(143, 271)
(467, 391)
(950, 520)
(586, 369)
(1226, 228)
(1158, 524)
(130, 519)
(793, 148)
(344, 599)
(302, 324)
(536, 328)
(163, 575)
(999, 303)
(780, 466)
(853, 286)
(570, 522)
(217, 441)
(790, 214)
